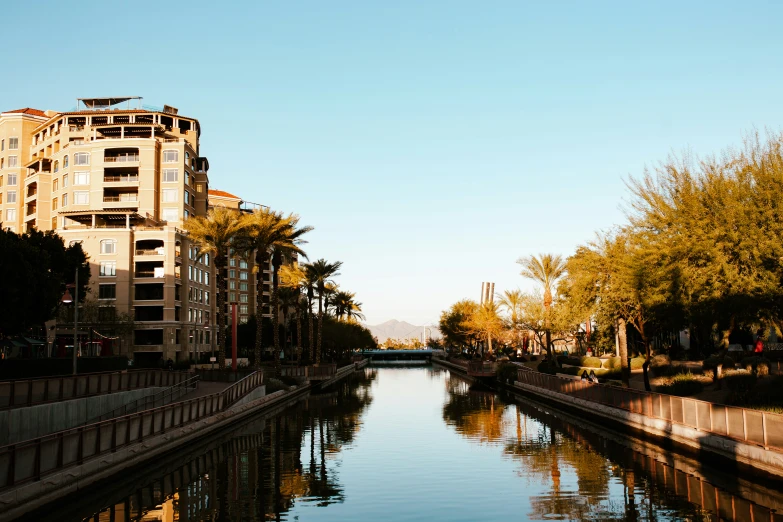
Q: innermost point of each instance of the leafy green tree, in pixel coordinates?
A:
(37, 266)
(485, 323)
(454, 324)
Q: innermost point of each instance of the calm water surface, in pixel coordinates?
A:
(409, 444)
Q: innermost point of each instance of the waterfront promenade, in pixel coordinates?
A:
(35, 472)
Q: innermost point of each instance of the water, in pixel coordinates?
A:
(416, 444)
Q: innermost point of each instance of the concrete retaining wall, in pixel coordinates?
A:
(21, 424)
(695, 440)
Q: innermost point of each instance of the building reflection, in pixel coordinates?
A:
(262, 470)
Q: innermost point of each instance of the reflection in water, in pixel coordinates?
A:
(418, 444)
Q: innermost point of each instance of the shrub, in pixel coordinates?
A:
(562, 359)
(547, 367)
(290, 381)
(507, 373)
(711, 363)
(682, 385)
(533, 358)
(522, 358)
(759, 366)
(659, 361)
(637, 363)
(612, 363)
(590, 362)
(273, 385)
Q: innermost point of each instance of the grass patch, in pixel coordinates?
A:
(682, 385)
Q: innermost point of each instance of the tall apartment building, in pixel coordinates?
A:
(240, 274)
(120, 178)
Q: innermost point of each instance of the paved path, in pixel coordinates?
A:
(205, 388)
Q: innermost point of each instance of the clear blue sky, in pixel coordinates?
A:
(431, 143)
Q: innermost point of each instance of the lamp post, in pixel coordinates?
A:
(75, 300)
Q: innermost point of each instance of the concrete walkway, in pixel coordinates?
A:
(205, 388)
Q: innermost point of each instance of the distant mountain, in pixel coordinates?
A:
(395, 329)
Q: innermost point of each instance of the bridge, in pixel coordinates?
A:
(400, 355)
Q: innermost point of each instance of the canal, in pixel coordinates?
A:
(419, 444)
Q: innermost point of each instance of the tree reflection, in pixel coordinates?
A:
(475, 413)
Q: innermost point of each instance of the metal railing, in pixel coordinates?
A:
(151, 401)
(294, 371)
(34, 459)
(481, 368)
(323, 371)
(150, 251)
(125, 179)
(121, 158)
(743, 424)
(29, 392)
(131, 198)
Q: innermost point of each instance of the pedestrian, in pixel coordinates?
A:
(593, 377)
(759, 347)
(585, 377)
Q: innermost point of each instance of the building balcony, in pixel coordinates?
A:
(121, 180)
(31, 215)
(125, 158)
(121, 201)
(157, 252)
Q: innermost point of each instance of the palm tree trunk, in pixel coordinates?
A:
(298, 331)
(260, 264)
(276, 318)
(310, 338)
(622, 337)
(320, 330)
(220, 282)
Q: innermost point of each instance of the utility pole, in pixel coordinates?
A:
(75, 318)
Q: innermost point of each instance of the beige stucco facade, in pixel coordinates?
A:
(121, 182)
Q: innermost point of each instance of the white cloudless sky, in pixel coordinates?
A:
(430, 144)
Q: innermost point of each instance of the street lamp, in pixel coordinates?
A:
(75, 300)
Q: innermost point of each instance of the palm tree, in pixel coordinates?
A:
(216, 234)
(286, 245)
(269, 232)
(354, 312)
(294, 277)
(512, 301)
(546, 269)
(330, 291)
(322, 272)
(342, 301)
(262, 229)
(288, 298)
(310, 284)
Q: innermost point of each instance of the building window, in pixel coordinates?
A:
(65, 201)
(55, 185)
(243, 309)
(81, 197)
(11, 197)
(170, 214)
(2, 144)
(232, 262)
(65, 162)
(187, 178)
(187, 157)
(108, 246)
(232, 297)
(57, 166)
(187, 197)
(206, 298)
(107, 313)
(243, 276)
(206, 278)
(187, 215)
(81, 178)
(190, 273)
(232, 285)
(81, 158)
(12, 180)
(243, 286)
(206, 259)
(10, 214)
(13, 143)
(243, 298)
(170, 175)
(54, 204)
(232, 274)
(170, 195)
(170, 156)
(65, 180)
(243, 264)
(108, 268)
(107, 291)
(12, 161)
